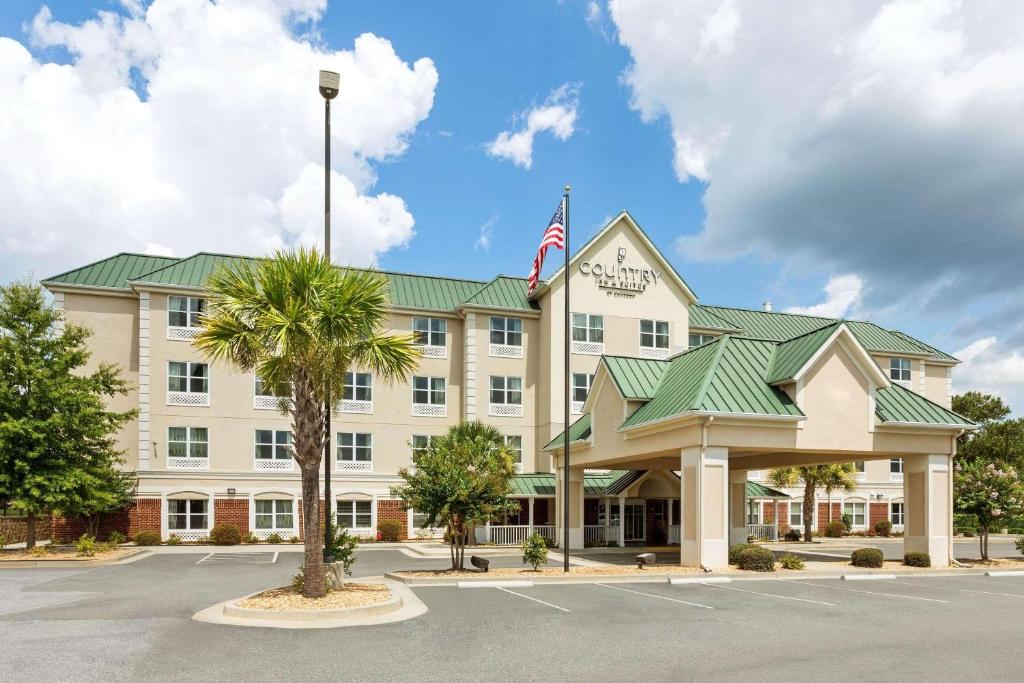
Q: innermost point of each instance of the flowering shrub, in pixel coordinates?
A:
(991, 492)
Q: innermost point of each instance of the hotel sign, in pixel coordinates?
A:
(620, 279)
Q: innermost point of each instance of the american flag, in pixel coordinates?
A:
(554, 236)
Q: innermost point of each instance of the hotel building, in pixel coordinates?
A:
(679, 407)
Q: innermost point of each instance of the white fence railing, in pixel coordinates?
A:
(762, 532)
(673, 535)
(512, 534)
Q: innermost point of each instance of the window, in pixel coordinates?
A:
(857, 513)
(896, 514)
(581, 384)
(796, 513)
(190, 378)
(896, 469)
(419, 519)
(654, 334)
(274, 515)
(858, 470)
(184, 311)
(753, 512)
(355, 514)
(507, 390)
(358, 386)
(428, 396)
(587, 327)
(516, 444)
(506, 331)
(355, 451)
(899, 369)
(186, 515)
(188, 448)
(430, 331)
(420, 444)
(700, 339)
(273, 444)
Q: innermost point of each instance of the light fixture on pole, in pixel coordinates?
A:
(329, 86)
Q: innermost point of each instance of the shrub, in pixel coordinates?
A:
(551, 543)
(224, 533)
(735, 550)
(293, 539)
(174, 539)
(835, 530)
(917, 559)
(390, 530)
(791, 561)
(1020, 545)
(299, 580)
(275, 538)
(343, 548)
(883, 527)
(38, 551)
(793, 535)
(85, 545)
(751, 538)
(250, 538)
(535, 551)
(203, 540)
(147, 538)
(866, 557)
(968, 534)
(116, 537)
(756, 559)
(3, 542)
(847, 522)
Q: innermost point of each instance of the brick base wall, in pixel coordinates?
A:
(837, 515)
(392, 509)
(877, 512)
(14, 529)
(144, 514)
(232, 511)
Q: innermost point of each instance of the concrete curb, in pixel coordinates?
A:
(74, 563)
(403, 605)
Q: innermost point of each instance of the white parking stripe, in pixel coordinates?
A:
(534, 599)
(961, 590)
(770, 595)
(855, 590)
(653, 595)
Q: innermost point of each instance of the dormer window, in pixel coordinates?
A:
(899, 371)
(700, 339)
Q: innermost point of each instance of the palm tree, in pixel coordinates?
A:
(300, 324)
(837, 478)
(813, 478)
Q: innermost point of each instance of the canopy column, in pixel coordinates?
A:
(737, 506)
(704, 489)
(928, 505)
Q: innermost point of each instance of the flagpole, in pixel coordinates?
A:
(565, 448)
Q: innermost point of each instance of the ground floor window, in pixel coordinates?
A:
(274, 514)
(857, 513)
(796, 513)
(753, 512)
(355, 514)
(187, 515)
(896, 514)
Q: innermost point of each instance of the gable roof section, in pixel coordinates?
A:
(113, 272)
(789, 356)
(756, 490)
(543, 484)
(703, 317)
(503, 292)
(927, 348)
(897, 405)
(635, 378)
(578, 431)
(766, 325)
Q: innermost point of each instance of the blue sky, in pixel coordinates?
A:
(769, 156)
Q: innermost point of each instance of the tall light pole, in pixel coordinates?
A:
(329, 85)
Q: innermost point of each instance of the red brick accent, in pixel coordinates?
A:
(392, 509)
(143, 514)
(837, 514)
(877, 512)
(783, 517)
(302, 524)
(232, 511)
(13, 529)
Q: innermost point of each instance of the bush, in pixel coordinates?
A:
(203, 540)
(535, 551)
(917, 559)
(751, 538)
(38, 551)
(793, 535)
(224, 533)
(968, 534)
(343, 548)
(299, 580)
(756, 559)
(293, 539)
(866, 557)
(275, 538)
(85, 545)
(735, 550)
(1019, 543)
(174, 539)
(147, 538)
(390, 530)
(835, 530)
(3, 542)
(791, 561)
(883, 527)
(847, 522)
(116, 537)
(250, 538)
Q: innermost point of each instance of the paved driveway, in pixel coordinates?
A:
(133, 622)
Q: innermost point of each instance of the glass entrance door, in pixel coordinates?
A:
(634, 520)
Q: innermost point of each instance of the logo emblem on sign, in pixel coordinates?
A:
(622, 254)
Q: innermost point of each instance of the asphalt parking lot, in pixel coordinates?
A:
(133, 621)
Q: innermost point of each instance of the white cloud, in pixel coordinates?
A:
(597, 19)
(483, 240)
(156, 249)
(556, 115)
(224, 150)
(842, 293)
(988, 366)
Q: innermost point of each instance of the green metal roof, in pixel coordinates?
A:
(755, 490)
(702, 316)
(578, 431)
(926, 348)
(723, 376)
(192, 271)
(111, 273)
(543, 484)
(875, 338)
(791, 355)
(765, 325)
(504, 292)
(896, 404)
(636, 378)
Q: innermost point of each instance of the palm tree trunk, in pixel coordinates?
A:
(829, 493)
(30, 530)
(808, 510)
(313, 561)
(308, 422)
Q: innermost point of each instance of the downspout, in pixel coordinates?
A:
(952, 450)
(700, 490)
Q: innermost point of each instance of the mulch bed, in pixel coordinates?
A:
(62, 554)
(349, 595)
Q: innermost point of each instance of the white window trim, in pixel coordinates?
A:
(188, 331)
(431, 350)
(902, 525)
(353, 465)
(505, 408)
(273, 464)
(905, 383)
(896, 476)
(429, 409)
(505, 350)
(357, 530)
(867, 512)
(654, 352)
(190, 533)
(188, 462)
(576, 407)
(188, 397)
(279, 530)
(354, 405)
(508, 439)
(587, 348)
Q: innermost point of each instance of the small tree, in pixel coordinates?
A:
(57, 438)
(101, 490)
(813, 478)
(991, 492)
(836, 478)
(462, 478)
(535, 551)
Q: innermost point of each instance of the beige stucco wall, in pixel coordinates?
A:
(835, 399)
(937, 384)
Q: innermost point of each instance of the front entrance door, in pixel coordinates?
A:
(657, 522)
(634, 520)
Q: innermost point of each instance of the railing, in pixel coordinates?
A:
(505, 351)
(895, 476)
(434, 351)
(505, 410)
(354, 465)
(654, 353)
(577, 407)
(673, 535)
(189, 535)
(588, 348)
(754, 475)
(860, 476)
(599, 534)
(512, 534)
(273, 464)
(762, 532)
(285, 534)
(362, 407)
(429, 410)
(188, 463)
(265, 402)
(187, 398)
(182, 333)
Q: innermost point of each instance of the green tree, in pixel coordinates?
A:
(300, 324)
(829, 477)
(979, 407)
(997, 437)
(57, 438)
(463, 478)
(535, 551)
(100, 489)
(837, 478)
(990, 490)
